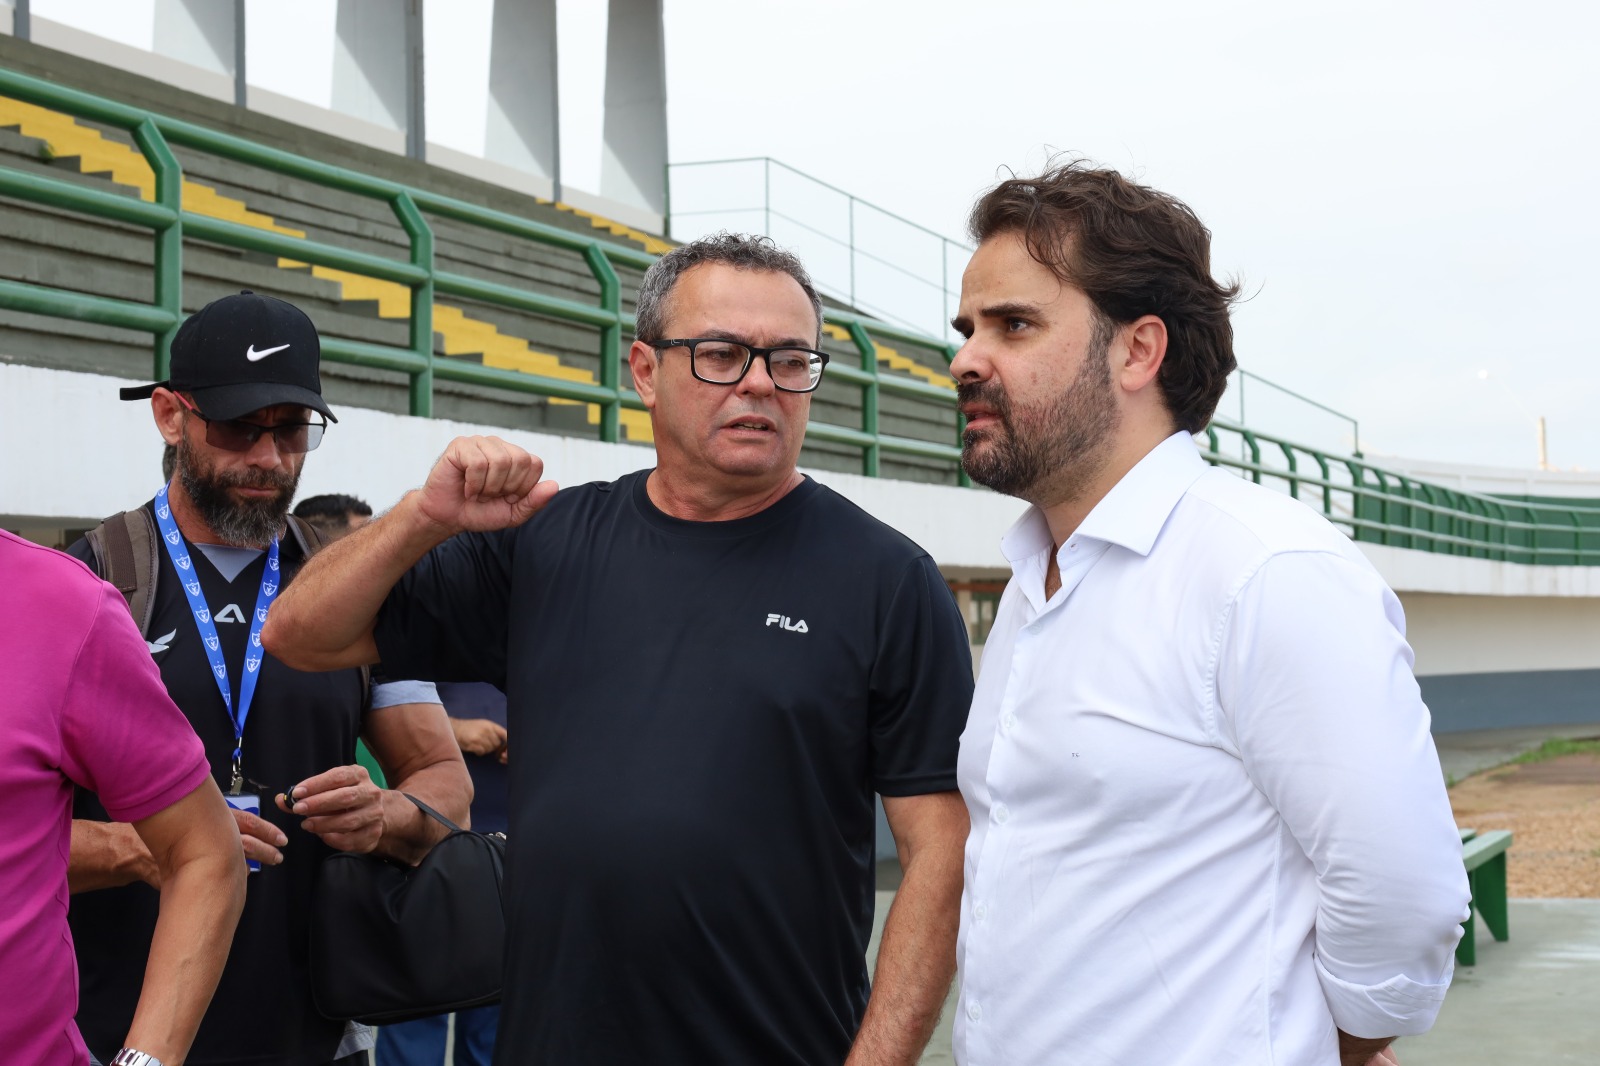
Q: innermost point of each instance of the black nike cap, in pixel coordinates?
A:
(242, 353)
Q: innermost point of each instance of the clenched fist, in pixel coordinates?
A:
(484, 483)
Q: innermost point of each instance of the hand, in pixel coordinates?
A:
(478, 736)
(1386, 1057)
(343, 806)
(484, 483)
(261, 839)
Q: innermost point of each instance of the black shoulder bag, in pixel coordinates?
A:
(391, 942)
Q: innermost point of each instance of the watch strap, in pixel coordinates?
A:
(129, 1057)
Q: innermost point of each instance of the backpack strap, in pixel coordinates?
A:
(311, 540)
(125, 547)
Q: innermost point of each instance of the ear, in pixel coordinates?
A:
(168, 413)
(1146, 341)
(644, 362)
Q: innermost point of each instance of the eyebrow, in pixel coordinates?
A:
(1013, 309)
(724, 335)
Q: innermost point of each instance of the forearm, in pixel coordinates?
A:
(196, 848)
(407, 832)
(916, 962)
(200, 905)
(324, 619)
(108, 855)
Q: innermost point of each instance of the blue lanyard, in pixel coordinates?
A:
(208, 629)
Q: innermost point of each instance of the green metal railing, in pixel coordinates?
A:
(171, 224)
(1378, 506)
(1371, 504)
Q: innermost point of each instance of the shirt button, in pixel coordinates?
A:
(1034, 628)
(1011, 721)
(1002, 814)
(980, 911)
(974, 1011)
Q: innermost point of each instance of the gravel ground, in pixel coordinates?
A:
(1553, 811)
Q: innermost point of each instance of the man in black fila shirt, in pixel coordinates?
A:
(242, 407)
(711, 666)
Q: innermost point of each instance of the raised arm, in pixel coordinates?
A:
(194, 848)
(324, 619)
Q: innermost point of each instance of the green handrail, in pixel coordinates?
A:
(170, 224)
(1384, 507)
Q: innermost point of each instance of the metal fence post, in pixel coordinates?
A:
(169, 239)
(610, 342)
(421, 334)
(870, 455)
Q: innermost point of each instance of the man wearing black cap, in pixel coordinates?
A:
(201, 564)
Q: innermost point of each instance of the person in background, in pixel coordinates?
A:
(478, 718)
(85, 707)
(243, 406)
(334, 515)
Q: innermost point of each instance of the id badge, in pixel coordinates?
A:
(251, 803)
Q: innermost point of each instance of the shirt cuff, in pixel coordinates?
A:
(1396, 1007)
(394, 693)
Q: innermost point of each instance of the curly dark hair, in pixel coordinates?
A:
(1133, 251)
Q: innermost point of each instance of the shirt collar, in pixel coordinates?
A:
(1132, 513)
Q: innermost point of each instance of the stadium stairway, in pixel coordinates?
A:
(460, 335)
(61, 249)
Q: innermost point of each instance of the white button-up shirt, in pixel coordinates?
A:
(1208, 821)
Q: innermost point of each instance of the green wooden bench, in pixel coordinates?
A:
(1485, 859)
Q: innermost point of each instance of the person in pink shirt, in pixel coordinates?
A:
(84, 704)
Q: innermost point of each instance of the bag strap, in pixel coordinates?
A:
(124, 547)
(435, 815)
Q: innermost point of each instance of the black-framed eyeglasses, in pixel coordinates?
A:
(723, 362)
(233, 435)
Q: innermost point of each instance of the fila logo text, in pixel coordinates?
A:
(782, 622)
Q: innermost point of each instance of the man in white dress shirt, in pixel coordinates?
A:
(1208, 820)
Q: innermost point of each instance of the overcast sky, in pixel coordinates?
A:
(1408, 189)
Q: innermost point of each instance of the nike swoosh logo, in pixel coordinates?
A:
(256, 357)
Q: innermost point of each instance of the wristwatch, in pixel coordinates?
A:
(129, 1057)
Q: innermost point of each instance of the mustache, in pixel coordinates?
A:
(988, 393)
(256, 479)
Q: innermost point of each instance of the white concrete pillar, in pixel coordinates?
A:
(369, 62)
(634, 154)
(522, 125)
(198, 32)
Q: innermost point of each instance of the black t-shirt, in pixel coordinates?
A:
(300, 724)
(699, 713)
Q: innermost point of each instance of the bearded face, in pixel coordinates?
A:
(1048, 449)
(244, 522)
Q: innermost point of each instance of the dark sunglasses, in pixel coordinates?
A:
(233, 435)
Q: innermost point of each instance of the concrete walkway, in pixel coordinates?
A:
(1532, 999)
(1464, 754)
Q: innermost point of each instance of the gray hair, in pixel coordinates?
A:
(742, 251)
